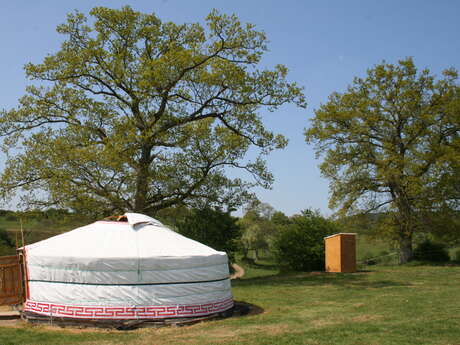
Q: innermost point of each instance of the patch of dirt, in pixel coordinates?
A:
(358, 305)
(324, 323)
(9, 317)
(366, 318)
(75, 330)
(328, 303)
(275, 329)
(224, 333)
(15, 323)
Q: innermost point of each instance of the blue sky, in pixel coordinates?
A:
(323, 43)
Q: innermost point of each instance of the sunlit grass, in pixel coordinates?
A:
(388, 305)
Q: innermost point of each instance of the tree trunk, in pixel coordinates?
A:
(245, 251)
(140, 199)
(405, 248)
(407, 223)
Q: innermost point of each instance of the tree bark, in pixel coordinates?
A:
(140, 199)
(405, 248)
(407, 224)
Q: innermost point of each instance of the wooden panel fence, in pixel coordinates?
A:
(10, 280)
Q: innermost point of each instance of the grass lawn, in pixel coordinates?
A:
(388, 305)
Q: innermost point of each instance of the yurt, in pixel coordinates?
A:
(131, 268)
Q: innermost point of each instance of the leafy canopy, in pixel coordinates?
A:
(390, 143)
(299, 246)
(213, 227)
(136, 113)
(258, 230)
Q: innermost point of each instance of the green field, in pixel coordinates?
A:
(386, 305)
(50, 226)
(34, 229)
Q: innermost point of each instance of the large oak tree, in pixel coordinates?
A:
(134, 113)
(391, 143)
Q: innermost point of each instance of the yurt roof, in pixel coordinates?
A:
(138, 236)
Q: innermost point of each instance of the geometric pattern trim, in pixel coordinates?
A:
(120, 312)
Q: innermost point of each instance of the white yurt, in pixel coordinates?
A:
(133, 268)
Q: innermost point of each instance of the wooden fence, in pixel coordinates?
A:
(10, 280)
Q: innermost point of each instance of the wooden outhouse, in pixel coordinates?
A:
(340, 252)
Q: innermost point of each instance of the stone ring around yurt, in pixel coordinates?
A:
(126, 272)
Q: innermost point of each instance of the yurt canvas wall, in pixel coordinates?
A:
(137, 269)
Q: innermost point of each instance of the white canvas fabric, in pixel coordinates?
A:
(135, 264)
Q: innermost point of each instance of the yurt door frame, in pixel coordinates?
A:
(11, 280)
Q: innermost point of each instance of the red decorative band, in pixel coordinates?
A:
(121, 312)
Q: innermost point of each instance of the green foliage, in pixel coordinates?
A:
(431, 252)
(7, 246)
(279, 219)
(133, 113)
(11, 218)
(391, 143)
(212, 227)
(5, 238)
(258, 229)
(38, 225)
(5, 213)
(443, 226)
(457, 255)
(172, 215)
(300, 246)
(368, 259)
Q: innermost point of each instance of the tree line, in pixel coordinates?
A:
(261, 235)
(295, 243)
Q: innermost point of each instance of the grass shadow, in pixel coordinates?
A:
(358, 279)
(262, 266)
(243, 308)
(251, 263)
(418, 263)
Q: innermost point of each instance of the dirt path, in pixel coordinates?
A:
(9, 317)
(239, 272)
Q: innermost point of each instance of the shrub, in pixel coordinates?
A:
(7, 246)
(457, 255)
(11, 217)
(212, 227)
(368, 258)
(300, 245)
(6, 239)
(4, 213)
(431, 252)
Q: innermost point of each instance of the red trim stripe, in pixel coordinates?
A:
(125, 312)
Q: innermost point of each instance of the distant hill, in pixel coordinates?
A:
(36, 226)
